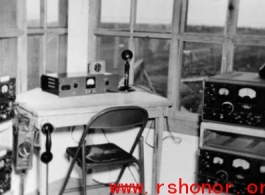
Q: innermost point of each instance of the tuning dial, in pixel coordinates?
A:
(222, 176)
(227, 107)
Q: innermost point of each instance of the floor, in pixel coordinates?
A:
(179, 162)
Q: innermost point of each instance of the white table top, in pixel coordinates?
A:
(44, 104)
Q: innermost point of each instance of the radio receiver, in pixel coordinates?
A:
(7, 87)
(236, 170)
(78, 84)
(235, 97)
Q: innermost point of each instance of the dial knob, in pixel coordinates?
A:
(227, 107)
(222, 176)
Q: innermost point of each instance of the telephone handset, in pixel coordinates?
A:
(126, 55)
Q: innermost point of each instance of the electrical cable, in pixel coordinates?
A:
(72, 130)
(175, 139)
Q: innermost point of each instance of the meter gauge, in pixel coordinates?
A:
(90, 82)
(247, 92)
(247, 97)
(241, 163)
(218, 161)
(4, 89)
(241, 167)
(223, 93)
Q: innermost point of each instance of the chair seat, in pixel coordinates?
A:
(102, 155)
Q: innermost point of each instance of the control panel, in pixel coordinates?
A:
(5, 170)
(7, 97)
(231, 100)
(78, 84)
(235, 170)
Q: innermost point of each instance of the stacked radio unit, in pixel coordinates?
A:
(7, 98)
(232, 137)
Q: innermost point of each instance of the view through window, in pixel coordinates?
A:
(147, 27)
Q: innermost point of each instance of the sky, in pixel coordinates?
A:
(201, 12)
(33, 10)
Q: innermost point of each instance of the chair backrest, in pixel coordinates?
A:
(118, 117)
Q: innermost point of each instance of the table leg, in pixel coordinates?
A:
(157, 153)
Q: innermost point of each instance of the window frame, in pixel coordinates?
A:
(180, 121)
(44, 30)
(21, 32)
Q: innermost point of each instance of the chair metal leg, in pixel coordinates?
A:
(121, 173)
(141, 162)
(69, 173)
(84, 166)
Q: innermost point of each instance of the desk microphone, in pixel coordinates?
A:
(126, 55)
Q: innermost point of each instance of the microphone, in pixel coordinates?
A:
(126, 55)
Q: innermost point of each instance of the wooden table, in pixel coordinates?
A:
(43, 107)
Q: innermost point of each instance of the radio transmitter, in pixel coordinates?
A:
(235, 97)
(77, 84)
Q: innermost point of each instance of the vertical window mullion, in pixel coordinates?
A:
(133, 12)
(43, 23)
(94, 17)
(21, 63)
(174, 70)
(229, 33)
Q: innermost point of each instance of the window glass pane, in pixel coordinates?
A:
(199, 60)
(115, 14)
(8, 57)
(251, 17)
(33, 13)
(151, 64)
(248, 58)
(8, 14)
(52, 13)
(62, 61)
(34, 60)
(154, 15)
(110, 49)
(52, 53)
(56, 53)
(206, 16)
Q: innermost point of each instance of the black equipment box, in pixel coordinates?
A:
(7, 97)
(230, 154)
(233, 173)
(5, 170)
(235, 98)
(78, 84)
